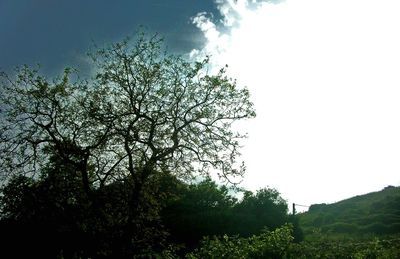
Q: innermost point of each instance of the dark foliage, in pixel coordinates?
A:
(52, 217)
(206, 209)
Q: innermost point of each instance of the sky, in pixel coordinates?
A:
(60, 33)
(324, 76)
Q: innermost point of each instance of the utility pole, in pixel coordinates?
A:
(294, 207)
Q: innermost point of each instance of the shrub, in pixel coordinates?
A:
(269, 244)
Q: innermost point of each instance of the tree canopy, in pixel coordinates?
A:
(143, 110)
(105, 142)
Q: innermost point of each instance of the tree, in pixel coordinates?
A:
(144, 110)
(201, 209)
(143, 113)
(265, 208)
(206, 209)
(41, 119)
(168, 112)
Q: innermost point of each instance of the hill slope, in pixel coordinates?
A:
(376, 213)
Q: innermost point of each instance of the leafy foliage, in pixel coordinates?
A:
(269, 244)
(279, 244)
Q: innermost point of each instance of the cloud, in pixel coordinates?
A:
(324, 76)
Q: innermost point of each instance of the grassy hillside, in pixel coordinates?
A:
(376, 213)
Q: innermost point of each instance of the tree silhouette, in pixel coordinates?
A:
(143, 113)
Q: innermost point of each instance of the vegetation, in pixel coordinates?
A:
(205, 209)
(144, 114)
(339, 239)
(279, 244)
(202, 220)
(109, 167)
(266, 245)
(373, 214)
(71, 229)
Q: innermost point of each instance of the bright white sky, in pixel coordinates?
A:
(325, 78)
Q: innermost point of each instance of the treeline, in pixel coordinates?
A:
(205, 209)
(51, 217)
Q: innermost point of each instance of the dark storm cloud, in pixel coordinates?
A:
(58, 33)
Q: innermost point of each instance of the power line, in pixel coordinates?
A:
(299, 205)
(302, 205)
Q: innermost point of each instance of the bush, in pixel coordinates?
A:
(269, 244)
